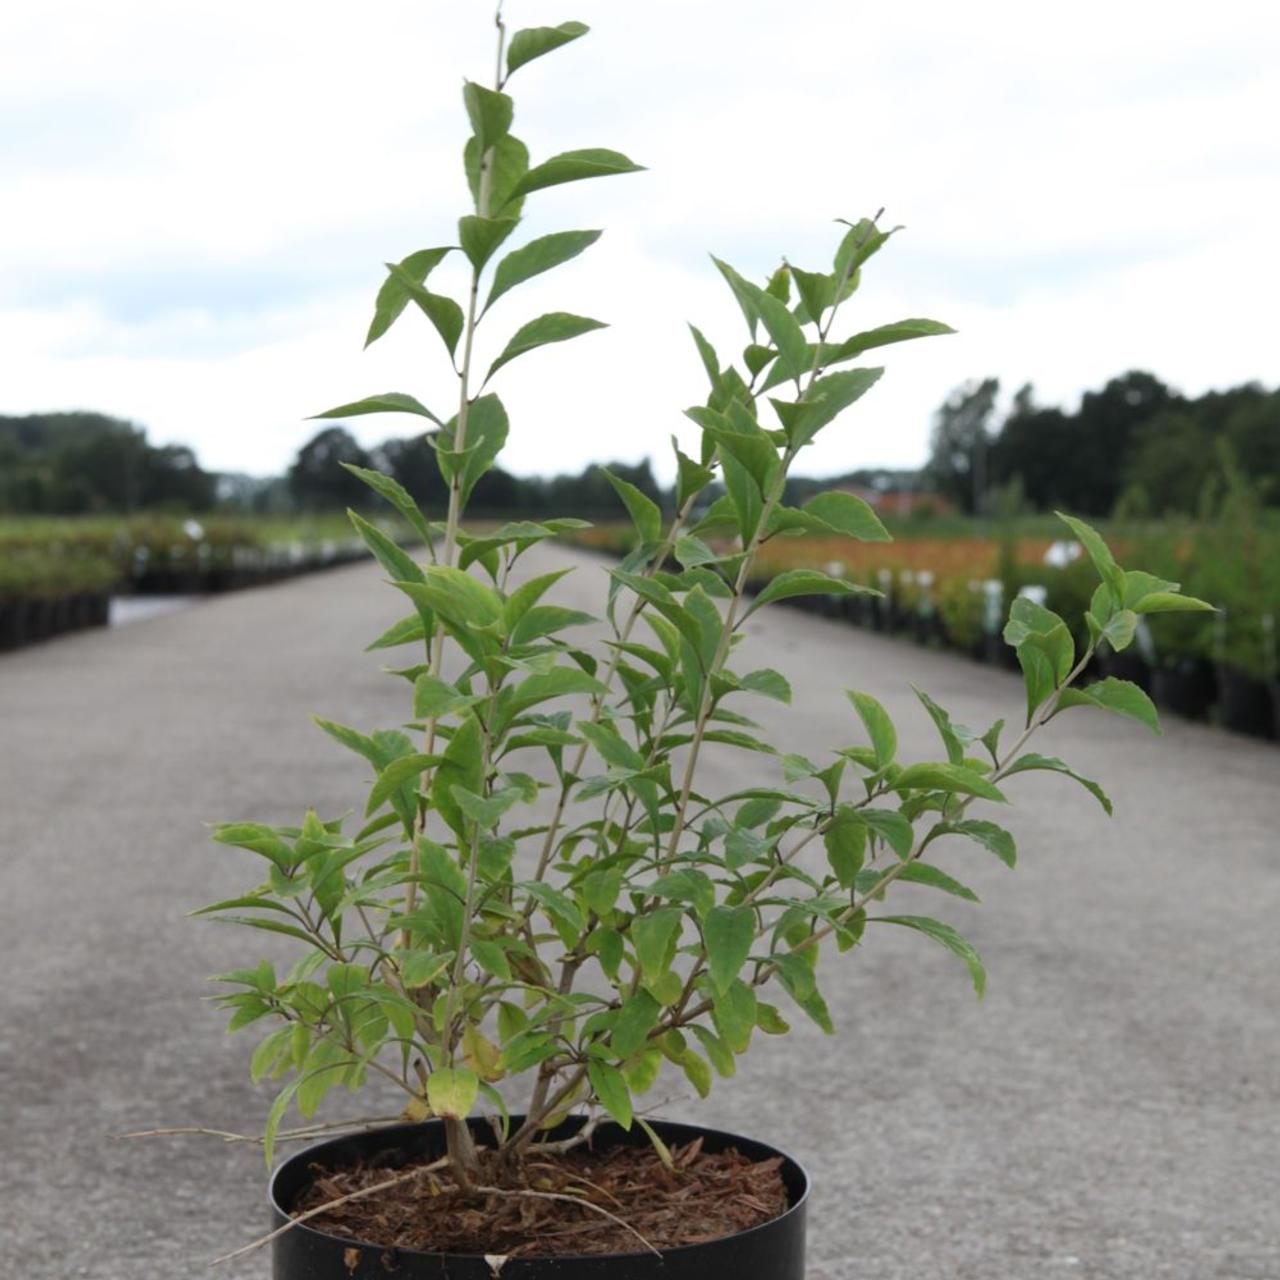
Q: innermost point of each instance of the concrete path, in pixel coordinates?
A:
(1111, 1111)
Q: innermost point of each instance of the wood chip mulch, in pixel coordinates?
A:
(708, 1196)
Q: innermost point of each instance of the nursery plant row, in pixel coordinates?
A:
(954, 592)
(59, 575)
(1219, 667)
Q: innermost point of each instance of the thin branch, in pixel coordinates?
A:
(288, 1135)
(578, 1200)
(299, 1219)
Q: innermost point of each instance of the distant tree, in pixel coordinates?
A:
(958, 465)
(412, 462)
(1169, 459)
(1253, 432)
(1106, 426)
(1034, 448)
(80, 462)
(318, 481)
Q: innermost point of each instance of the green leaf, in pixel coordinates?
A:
(555, 683)
(637, 1017)
(508, 164)
(826, 400)
(952, 778)
(490, 113)
(257, 838)
(547, 620)
(609, 1086)
(768, 683)
(1037, 675)
(707, 353)
(443, 312)
(892, 827)
(1120, 628)
(953, 736)
(486, 435)
(817, 291)
(532, 42)
(687, 885)
(421, 968)
(399, 564)
(396, 494)
(949, 938)
(388, 402)
(406, 631)
(645, 514)
(480, 237)
(991, 837)
(463, 765)
(456, 596)
(845, 841)
(654, 937)
(1099, 553)
(573, 166)
(718, 1053)
(434, 698)
(860, 242)
(485, 811)
(1169, 602)
(782, 326)
(691, 477)
(848, 514)
(900, 331)
(393, 297)
(884, 737)
(555, 326)
(268, 1051)
(451, 1092)
(395, 775)
(1032, 761)
(935, 878)
(728, 933)
(274, 1117)
(734, 1011)
(536, 257)
(804, 582)
(1120, 696)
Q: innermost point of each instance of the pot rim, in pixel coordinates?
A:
(659, 1126)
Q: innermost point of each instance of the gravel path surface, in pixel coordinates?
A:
(1112, 1110)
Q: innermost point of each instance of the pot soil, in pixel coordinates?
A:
(732, 1207)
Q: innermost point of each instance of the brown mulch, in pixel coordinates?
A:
(708, 1196)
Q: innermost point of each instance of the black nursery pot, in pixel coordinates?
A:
(773, 1251)
(1187, 688)
(1245, 703)
(1126, 666)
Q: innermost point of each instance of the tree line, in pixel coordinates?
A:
(1136, 440)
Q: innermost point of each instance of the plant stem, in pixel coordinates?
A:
(453, 518)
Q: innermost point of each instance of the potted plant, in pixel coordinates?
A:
(1238, 571)
(539, 894)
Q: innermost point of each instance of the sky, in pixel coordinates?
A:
(196, 200)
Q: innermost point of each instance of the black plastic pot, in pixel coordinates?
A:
(1125, 666)
(998, 653)
(13, 623)
(1245, 702)
(774, 1251)
(1187, 687)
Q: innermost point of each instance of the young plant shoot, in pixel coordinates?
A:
(541, 894)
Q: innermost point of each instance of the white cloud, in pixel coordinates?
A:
(196, 200)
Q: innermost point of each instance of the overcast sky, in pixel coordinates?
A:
(196, 199)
